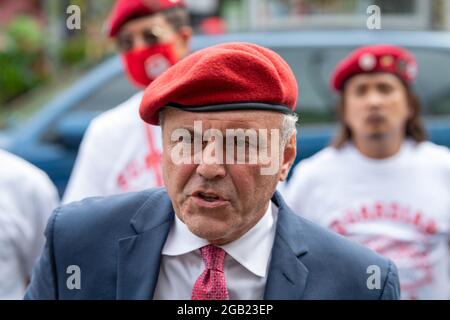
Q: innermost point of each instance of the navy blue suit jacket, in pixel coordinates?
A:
(117, 241)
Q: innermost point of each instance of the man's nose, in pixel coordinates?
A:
(139, 43)
(211, 166)
(374, 99)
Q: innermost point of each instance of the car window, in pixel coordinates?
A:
(115, 91)
(433, 83)
(314, 99)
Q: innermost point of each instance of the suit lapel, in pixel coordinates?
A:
(287, 275)
(139, 255)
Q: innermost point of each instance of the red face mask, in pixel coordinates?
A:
(145, 65)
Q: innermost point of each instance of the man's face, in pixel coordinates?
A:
(150, 30)
(221, 201)
(376, 106)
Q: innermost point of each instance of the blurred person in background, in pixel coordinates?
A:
(121, 153)
(27, 198)
(381, 183)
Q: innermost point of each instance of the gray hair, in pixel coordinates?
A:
(288, 128)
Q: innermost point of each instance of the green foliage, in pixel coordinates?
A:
(16, 76)
(24, 34)
(73, 51)
(21, 63)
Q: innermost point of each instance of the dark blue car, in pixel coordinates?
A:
(50, 138)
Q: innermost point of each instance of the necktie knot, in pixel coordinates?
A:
(211, 284)
(213, 257)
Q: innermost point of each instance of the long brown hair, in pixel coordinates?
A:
(414, 126)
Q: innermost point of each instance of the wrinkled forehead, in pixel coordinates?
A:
(172, 118)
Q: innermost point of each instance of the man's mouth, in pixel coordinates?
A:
(208, 198)
(375, 118)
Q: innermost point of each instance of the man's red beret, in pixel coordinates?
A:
(377, 58)
(123, 10)
(230, 76)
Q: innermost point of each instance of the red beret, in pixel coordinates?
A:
(378, 58)
(230, 76)
(123, 10)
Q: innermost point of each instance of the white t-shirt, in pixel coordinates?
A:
(119, 153)
(399, 206)
(27, 198)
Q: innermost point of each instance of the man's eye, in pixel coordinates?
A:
(384, 88)
(185, 140)
(247, 143)
(360, 91)
(239, 142)
(125, 43)
(149, 37)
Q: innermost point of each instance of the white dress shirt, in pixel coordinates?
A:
(246, 263)
(27, 198)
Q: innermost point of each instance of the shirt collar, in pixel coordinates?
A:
(252, 250)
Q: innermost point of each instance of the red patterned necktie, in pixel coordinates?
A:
(211, 284)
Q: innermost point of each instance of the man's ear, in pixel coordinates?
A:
(289, 154)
